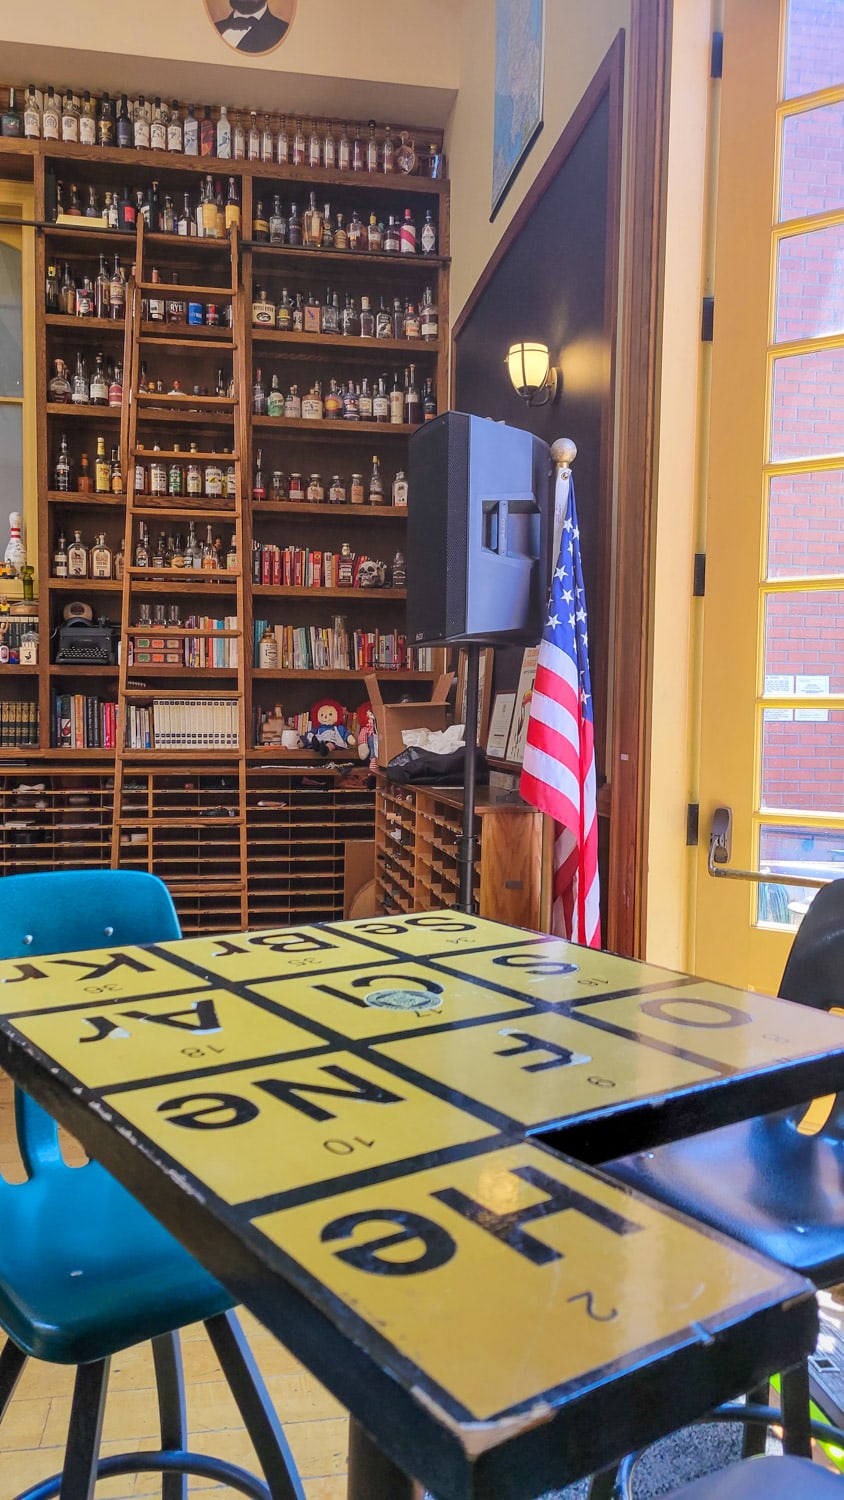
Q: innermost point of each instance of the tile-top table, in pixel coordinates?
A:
(359, 1128)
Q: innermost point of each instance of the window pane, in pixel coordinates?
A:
(11, 359)
(804, 639)
(806, 524)
(810, 285)
(812, 162)
(11, 457)
(803, 760)
(814, 46)
(796, 851)
(807, 416)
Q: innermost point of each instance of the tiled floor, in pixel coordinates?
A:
(33, 1432)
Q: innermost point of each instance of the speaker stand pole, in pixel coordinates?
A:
(467, 843)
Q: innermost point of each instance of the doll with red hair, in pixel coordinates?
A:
(328, 727)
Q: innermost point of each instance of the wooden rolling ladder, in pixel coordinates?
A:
(148, 811)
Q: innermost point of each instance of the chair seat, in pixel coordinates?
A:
(765, 1479)
(761, 1182)
(85, 1271)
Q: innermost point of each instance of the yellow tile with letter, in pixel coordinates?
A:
(553, 970)
(101, 975)
(240, 957)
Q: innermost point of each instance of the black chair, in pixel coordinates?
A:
(765, 1479)
(776, 1183)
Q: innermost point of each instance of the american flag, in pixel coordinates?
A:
(558, 775)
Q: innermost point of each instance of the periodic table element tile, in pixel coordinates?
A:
(433, 932)
(108, 1045)
(285, 1125)
(508, 1275)
(102, 975)
(386, 995)
(547, 1067)
(553, 970)
(240, 957)
(737, 1027)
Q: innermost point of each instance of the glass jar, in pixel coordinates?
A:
(356, 495)
(277, 489)
(297, 488)
(316, 490)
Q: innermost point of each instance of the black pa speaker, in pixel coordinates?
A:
(479, 522)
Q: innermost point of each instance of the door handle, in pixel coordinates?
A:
(720, 849)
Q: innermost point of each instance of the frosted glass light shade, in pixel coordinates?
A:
(529, 367)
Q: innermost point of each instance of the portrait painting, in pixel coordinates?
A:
(251, 26)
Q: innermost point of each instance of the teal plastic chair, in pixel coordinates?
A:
(85, 1271)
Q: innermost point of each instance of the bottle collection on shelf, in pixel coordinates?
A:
(350, 401)
(151, 124)
(305, 313)
(107, 478)
(311, 568)
(102, 295)
(317, 648)
(172, 388)
(172, 552)
(209, 212)
(313, 491)
(179, 309)
(103, 387)
(323, 229)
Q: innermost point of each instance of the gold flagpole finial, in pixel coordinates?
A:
(563, 454)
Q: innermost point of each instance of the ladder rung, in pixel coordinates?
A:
(142, 451)
(178, 289)
(173, 508)
(197, 695)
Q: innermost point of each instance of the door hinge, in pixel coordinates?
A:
(716, 56)
(699, 576)
(692, 824)
(707, 320)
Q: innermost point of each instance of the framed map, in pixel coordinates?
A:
(519, 37)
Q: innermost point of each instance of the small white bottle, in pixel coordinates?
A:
(224, 135)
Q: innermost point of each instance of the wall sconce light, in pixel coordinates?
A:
(533, 376)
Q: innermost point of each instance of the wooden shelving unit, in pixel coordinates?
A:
(416, 869)
(148, 808)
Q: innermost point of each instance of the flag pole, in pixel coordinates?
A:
(563, 455)
(467, 843)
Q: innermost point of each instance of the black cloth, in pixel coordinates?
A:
(415, 764)
(262, 34)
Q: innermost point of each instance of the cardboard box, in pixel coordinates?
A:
(392, 718)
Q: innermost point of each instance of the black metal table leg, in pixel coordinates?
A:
(373, 1476)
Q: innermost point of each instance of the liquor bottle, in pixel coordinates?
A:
(158, 126)
(87, 123)
(383, 322)
(85, 299)
(209, 552)
(70, 118)
(92, 209)
(101, 558)
(275, 399)
(98, 389)
(157, 475)
(127, 213)
(284, 312)
(193, 551)
(412, 403)
(232, 219)
(396, 402)
(407, 235)
(168, 216)
(400, 491)
(267, 651)
(358, 152)
(282, 143)
(381, 402)
(231, 555)
(59, 388)
(341, 234)
(140, 472)
(399, 571)
(51, 117)
(83, 482)
(123, 133)
(141, 125)
(330, 314)
(428, 236)
(206, 133)
(80, 389)
(213, 479)
(102, 470)
(111, 210)
(116, 473)
(224, 135)
(351, 410)
(263, 310)
(387, 156)
(412, 324)
(356, 232)
(238, 139)
(220, 204)
(60, 557)
(142, 548)
(175, 135)
(67, 293)
(372, 149)
(267, 142)
(398, 319)
(312, 404)
(336, 491)
(259, 399)
(314, 147)
(298, 147)
(327, 228)
(32, 115)
(115, 389)
(260, 223)
(253, 139)
(376, 484)
(258, 483)
(209, 210)
(391, 242)
(278, 223)
(374, 235)
(294, 227)
(350, 319)
(230, 481)
(429, 400)
(293, 403)
(159, 557)
(63, 468)
(105, 121)
(333, 404)
(190, 133)
(193, 477)
(429, 326)
(329, 147)
(312, 225)
(344, 151)
(175, 477)
(77, 557)
(365, 401)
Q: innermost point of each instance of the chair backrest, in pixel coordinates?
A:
(814, 972)
(68, 911)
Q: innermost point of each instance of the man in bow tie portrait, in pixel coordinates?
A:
(253, 25)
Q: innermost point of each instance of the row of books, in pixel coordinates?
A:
(161, 648)
(183, 724)
(14, 627)
(303, 567)
(83, 721)
(319, 648)
(18, 724)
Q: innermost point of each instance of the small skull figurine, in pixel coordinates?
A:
(372, 574)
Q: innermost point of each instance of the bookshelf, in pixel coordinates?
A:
(146, 806)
